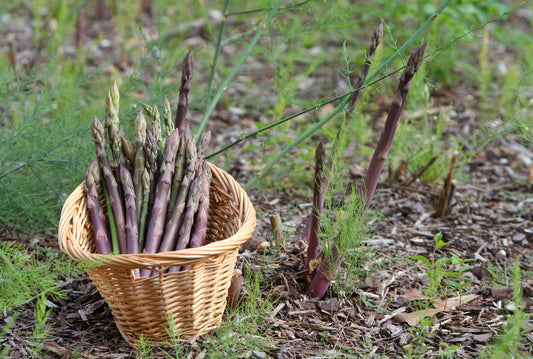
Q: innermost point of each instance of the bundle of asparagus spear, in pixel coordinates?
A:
(151, 195)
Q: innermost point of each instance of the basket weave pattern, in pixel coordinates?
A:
(196, 298)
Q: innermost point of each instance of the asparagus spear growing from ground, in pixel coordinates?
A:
(376, 39)
(111, 183)
(391, 124)
(138, 164)
(101, 234)
(187, 68)
(321, 280)
(374, 43)
(162, 195)
(318, 201)
(175, 220)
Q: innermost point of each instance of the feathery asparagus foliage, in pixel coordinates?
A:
(23, 276)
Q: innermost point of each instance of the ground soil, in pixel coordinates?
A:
(489, 220)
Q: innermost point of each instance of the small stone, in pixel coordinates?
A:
(519, 237)
(105, 43)
(501, 254)
(259, 354)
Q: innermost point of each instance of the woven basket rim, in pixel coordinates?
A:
(140, 260)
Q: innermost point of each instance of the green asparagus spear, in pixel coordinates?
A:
(143, 218)
(155, 120)
(115, 96)
(111, 182)
(113, 131)
(167, 119)
(150, 151)
(138, 164)
(202, 146)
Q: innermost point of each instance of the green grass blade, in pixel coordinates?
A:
(235, 69)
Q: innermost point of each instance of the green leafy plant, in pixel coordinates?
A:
(450, 350)
(444, 273)
(421, 335)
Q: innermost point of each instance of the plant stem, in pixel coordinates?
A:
(222, 87)
(318, 201)
(295, 143)
(217, 48)
(246, 136)
(391, 123)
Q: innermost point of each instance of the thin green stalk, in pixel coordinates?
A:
(235, 69)
(217, 48)
(253, 11)
(296, 142)
(246, 136)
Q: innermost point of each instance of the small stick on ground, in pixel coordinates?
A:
(448, 189)
(277, 228)
(421, 171)
(234, 291)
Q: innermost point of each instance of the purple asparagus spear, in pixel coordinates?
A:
(162, 194)
(187, 68)
(101, 234)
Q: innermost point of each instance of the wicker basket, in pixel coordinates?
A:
(196, 298)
